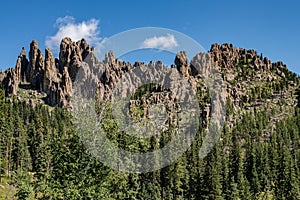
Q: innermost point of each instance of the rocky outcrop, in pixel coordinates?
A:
(253, 82)
(226, 56)
(54, 76)
(35, 69)
(21, 66)
(46, 74)
(10, 82)
(11, 78)
(50, 71)
(59, 93)
(182, 64)
(72, 54)
(113, 69)
(66, 87)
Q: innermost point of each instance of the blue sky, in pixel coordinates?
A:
(269, 27)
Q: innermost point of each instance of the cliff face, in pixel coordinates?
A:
(242, 70)
(252, 83)
(45, 74)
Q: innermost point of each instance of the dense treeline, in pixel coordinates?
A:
(42, 156)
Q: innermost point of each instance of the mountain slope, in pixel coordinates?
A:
(257, 155)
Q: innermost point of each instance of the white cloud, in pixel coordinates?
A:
(67, 27)
(61, 21)
(164, 42)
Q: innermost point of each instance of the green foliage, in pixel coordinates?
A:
(41, 154)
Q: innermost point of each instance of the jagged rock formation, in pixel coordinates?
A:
(113, 70)
(54, 77)
(227, 57)
(47, 74)
(240, 67)
(34, 71)
(50, 73)
(182, 64)
(11, 78)
(252, 82)
(10, 81)
(21, 65)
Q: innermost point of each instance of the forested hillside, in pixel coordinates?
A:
(256, 157)
(43, 158)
